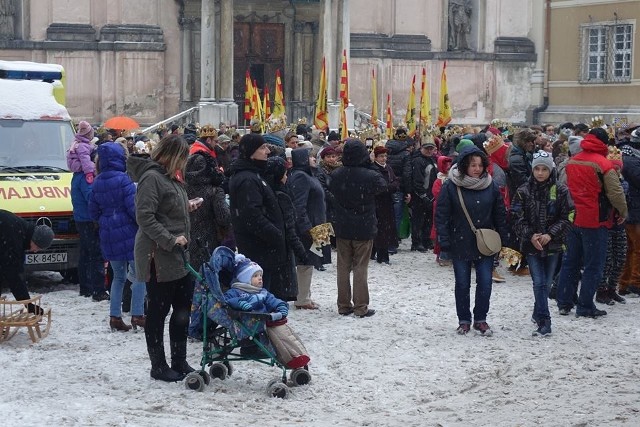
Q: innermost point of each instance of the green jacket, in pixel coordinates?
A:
(162, 215)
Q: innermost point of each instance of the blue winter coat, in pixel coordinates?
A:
(112, 204)
(262, 301)
(80, 195)
(486, 209)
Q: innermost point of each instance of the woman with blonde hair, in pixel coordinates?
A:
(162, 213)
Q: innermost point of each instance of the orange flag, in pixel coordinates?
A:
(410, 117)
(344, 96)
(321, 120)
(278, 100)
(374, 103)
(248, 96)
(266, 107)
(444, 110)
(425, 101)
(389, 118)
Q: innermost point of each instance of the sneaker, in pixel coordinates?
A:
(368, 313)
(602, 297)
(100, 296)
(497, 278)
(483, 328)
(617, 298)
(565, 311)
(544, 329)
(463, 329)
(593, 313)
(418, 248)
(393, 251)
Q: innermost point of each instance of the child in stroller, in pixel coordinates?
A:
(245, 317)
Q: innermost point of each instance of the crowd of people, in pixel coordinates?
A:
(567, 200)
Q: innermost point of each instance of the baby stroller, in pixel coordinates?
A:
(229, 335)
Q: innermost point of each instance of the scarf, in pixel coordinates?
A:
(469, 182)
(246, 287)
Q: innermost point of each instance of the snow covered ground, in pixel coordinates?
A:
(404, 366)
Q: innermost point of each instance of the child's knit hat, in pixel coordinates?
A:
(543, 158)
(245, 270)
(85, 129)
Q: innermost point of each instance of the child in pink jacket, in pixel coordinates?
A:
(79, 154)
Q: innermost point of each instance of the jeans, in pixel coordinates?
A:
(398, 207)
(462, 273)
(588, 247)
(91, 262)
(138, 289)
(542, 270)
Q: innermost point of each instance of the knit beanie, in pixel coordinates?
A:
(543, 158)
(245, 270)
(601, 134)
(249, 143)
(277, 167)
(463, 143)
(42, 236)
(85, 129)
(574, 144)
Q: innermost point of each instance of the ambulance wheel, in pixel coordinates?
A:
(300, 376)
(194, 381)
(219, 370)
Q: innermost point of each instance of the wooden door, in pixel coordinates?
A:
(259, 48)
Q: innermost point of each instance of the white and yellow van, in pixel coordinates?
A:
(35, 133)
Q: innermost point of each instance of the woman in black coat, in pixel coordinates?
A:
(256, 217)
(387, 236)
(483, 201)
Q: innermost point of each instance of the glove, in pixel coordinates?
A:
(89, 177)
(245, 306)
(276, 316)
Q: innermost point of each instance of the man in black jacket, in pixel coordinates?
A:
(399, 158)
(18, 236)
(354, 187)
(424, 173)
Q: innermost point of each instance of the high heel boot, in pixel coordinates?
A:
(138, 322)
(117, 324)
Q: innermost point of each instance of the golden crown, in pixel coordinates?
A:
(429, 131)
(597, 121)
(208, 131)
(614, 153)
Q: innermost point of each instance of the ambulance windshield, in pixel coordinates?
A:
(40, 143)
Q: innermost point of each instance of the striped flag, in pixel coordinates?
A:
(258, 113)
(389, 118)
(344, 96)
(374, 101)
(248, 96)
(410, 118)
(444, 110)
(321, 120)
(266, 103)
(279, 109)
(425, 101)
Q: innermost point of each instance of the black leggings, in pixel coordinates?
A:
(161, 297)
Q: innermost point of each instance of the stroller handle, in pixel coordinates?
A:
(183, 251)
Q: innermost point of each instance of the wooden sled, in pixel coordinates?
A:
(14, 315)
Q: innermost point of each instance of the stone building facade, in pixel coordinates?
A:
(151, 59)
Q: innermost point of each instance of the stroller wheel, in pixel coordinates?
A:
(300, 376)
(219, 370)
(194, 381)
(278, 389)
(229, 368)
(205, 376)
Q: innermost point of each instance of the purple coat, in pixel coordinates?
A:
(79, 156)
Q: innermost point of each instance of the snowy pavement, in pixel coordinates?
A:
(404, 366)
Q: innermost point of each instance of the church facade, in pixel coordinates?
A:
(151, 59)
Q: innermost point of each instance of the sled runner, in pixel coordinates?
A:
(15, 315)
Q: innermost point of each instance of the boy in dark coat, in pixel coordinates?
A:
(17, 236)
(355, 186)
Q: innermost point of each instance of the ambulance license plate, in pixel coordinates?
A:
(52, 258)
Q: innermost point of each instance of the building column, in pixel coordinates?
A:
(343, 43)
(298, 28)
(226, 51)
(207, 52)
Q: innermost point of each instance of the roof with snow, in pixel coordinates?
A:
(29, 100)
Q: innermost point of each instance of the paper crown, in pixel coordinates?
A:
(493, 144)
(597, 122)
(208, 131)
(614, 153)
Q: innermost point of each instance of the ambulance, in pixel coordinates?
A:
(35, 184)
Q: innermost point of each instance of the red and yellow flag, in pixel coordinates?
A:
(344, 96)
(278, 100)
(425, 101)
(266, 103)
(389, 129)
(321, 120)
(374, 101)
(258, 113)
(444, 110)
(410, 117)
(248, 96)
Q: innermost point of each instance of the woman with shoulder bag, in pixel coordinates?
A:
(470, 196)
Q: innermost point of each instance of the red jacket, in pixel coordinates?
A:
(589, 174)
